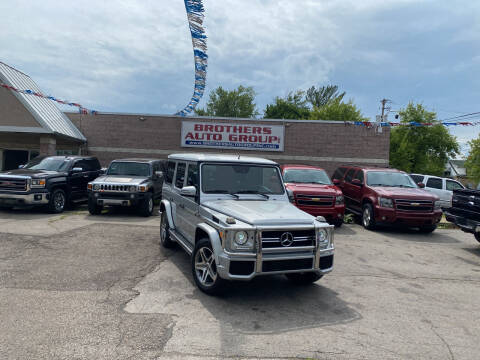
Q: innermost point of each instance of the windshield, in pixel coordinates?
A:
(49, 164)
(389, 178)
(241, 179)
(306, 176)
(129, 168)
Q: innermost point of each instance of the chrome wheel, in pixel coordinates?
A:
(163, 228)
(150, 205)
(367, 217)
(59, 201)
(205, 268)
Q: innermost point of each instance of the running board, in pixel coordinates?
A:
(354, 211)
(183, 243)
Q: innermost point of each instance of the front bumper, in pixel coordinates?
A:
(467, 225)
(329, 213)
(40, 197)
(238, 266)
(116, 198)
(408, 218)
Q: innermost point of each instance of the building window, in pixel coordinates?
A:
(65, 152)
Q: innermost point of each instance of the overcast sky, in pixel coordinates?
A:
(136, 56)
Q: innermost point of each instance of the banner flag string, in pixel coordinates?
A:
(81, 109)
(415, 124)
(195, 15)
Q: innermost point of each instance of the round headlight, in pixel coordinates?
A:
(322, 235)
(96, 187)
(241, 238)
(133, 188)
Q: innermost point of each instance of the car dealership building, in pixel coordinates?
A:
(31, 125)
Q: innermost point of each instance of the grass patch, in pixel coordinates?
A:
(349, 219)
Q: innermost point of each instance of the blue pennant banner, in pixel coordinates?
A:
(195, 16)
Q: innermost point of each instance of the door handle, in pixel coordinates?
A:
(85, 176)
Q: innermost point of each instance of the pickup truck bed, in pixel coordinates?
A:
(465, 211)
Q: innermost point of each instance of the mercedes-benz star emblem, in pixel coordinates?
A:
(286, 239)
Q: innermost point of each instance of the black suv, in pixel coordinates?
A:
(128, 182)
(51, 181)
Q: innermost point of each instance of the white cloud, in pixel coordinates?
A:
(136, 56)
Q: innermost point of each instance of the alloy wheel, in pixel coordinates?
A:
(59, 201)
(163, 228)
(205, 268)
(367, 216)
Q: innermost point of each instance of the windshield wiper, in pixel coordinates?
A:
(385, 185)
(252, 192)
(218, 191)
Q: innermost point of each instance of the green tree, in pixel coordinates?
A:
(472, 164)
(239, 103)
(323, 95)
(337, 110)
(293, 106)
(421, 149)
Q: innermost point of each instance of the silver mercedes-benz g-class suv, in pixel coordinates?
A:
(233, 216)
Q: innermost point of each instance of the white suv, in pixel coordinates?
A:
(442, 187)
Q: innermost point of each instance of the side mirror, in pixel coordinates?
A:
(336, 182)
(421, 185)
(357, 182)
(21, 166)
(159, 174)
(189, 191)
(103, 170)
(77, 170)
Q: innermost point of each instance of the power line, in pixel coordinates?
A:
(474, 114)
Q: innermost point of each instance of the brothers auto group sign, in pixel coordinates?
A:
(232, 136)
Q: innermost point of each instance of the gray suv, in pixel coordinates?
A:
(233, 216)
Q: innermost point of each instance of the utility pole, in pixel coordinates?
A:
(384, 102)
(381, 118)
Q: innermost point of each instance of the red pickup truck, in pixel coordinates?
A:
(311, 190)
(387, 196)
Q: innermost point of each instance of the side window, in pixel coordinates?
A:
(434, 183)
(192, 175)
(453, 185)
(180, 177)
(170, 172)
(349, 176)
(359, 176)
(338, 174)
(417, 178)
(92, 164)
(81, 164)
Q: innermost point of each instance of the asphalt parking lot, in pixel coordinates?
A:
(75, 286)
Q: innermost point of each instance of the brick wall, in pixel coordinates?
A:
(325, 144)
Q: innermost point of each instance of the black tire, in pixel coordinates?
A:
(427, 229)
(93, 207)
(303, 278)
(165, 232)
(368, 217)
(145, 208)
(58, 201)
(477, 236)
(206, 278)
(337, 223)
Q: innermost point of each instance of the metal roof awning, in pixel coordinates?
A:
(45, 112)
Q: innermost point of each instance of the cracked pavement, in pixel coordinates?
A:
(75, 286)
